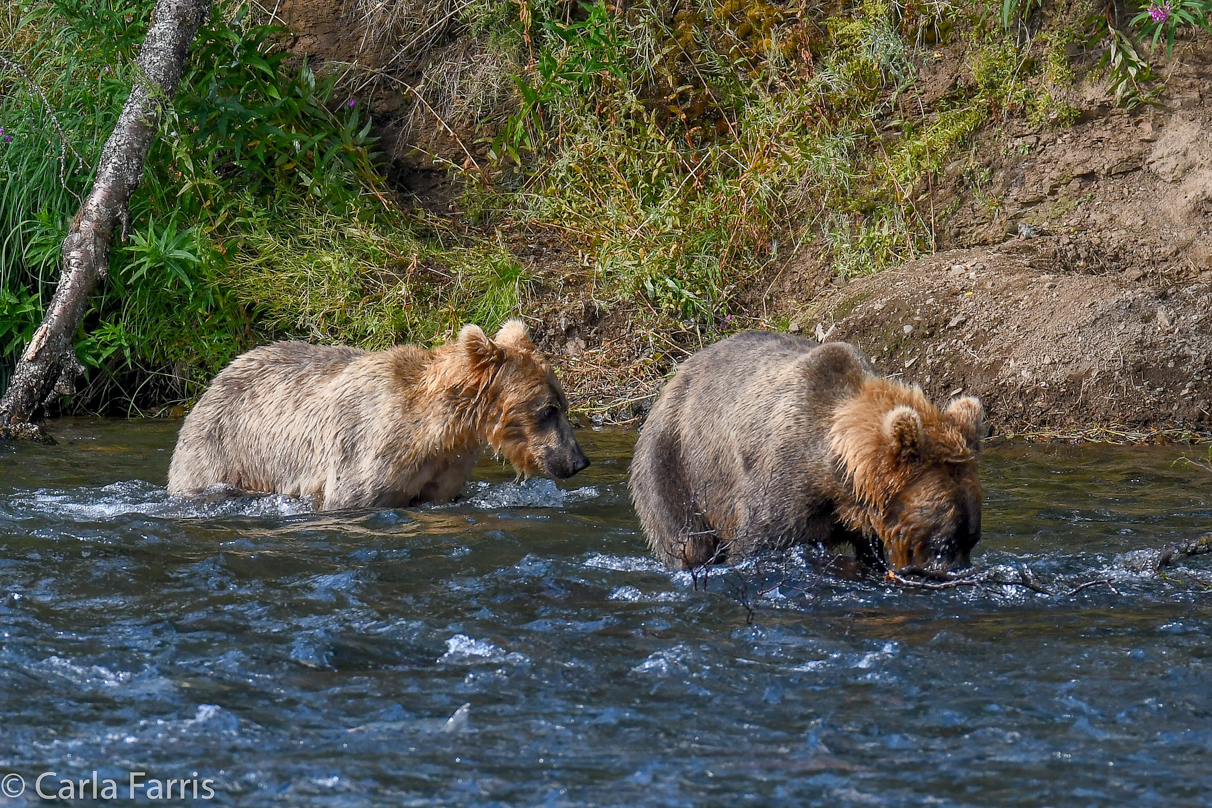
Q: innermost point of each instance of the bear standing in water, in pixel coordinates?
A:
(765, 440)
(352, 429)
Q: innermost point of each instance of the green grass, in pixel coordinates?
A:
(261, 212)
(330, 278)
(678, 157)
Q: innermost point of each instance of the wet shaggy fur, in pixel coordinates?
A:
(765, 440)
(350, 428)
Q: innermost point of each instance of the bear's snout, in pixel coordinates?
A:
(567, 463)
(942, 562)
(934, 524)
(938, 553)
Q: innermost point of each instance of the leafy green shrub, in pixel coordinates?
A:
(252, 138)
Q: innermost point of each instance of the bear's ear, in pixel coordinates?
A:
(480, 349)
(513, 335)
(904, 430)
(969, 416)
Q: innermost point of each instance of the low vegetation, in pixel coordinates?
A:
(671, 157)
(261, 212)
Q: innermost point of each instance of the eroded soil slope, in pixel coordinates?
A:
(1090, 305)
(1044, 349)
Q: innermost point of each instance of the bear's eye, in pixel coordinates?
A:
(548, 414)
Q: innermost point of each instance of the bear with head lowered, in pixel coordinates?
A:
(349, 428)
(763, 441)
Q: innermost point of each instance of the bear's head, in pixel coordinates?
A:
(522, 410)
(912, 472)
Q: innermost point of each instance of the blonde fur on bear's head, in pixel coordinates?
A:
(513, 334)
(484, 352)
(904, 461)
(503, 390)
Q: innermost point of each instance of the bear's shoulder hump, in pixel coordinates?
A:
(837, 362)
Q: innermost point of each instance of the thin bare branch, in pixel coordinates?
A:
(64, 144)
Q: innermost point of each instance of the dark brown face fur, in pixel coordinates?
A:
(934, 523)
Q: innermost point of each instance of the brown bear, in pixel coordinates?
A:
(350, 428)
(765, 440)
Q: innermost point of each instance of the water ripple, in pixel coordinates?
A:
(521, 646)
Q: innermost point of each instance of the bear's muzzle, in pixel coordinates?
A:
(568, 462)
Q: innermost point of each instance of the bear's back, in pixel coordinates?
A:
(290, 363)
(738, 445)
(762, 383)
(268, 403)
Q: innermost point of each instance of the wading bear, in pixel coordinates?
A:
(764, 440)
(350, 428)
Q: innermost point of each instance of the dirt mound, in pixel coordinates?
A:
(1045, 350)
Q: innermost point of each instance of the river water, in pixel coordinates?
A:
(520, 647)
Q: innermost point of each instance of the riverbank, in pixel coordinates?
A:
(964, 192)
(1065, 277)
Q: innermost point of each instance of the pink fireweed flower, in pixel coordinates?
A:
(1159, 13)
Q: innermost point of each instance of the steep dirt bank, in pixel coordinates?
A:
(1119, 355)
(1045, 350)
